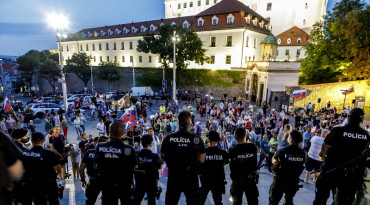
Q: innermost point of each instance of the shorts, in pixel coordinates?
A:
(312, 164)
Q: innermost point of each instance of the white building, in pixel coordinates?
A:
(290, 44)
(231, 33)
(282, 14)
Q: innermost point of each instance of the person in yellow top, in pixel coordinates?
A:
(162, 109)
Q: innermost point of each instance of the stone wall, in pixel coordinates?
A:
(332, 92)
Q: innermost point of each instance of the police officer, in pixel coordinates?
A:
(183, 151)
(212, 171)
(40, 177)
(116, 162)
(20, 137)
(288, 165)
(243, 167)
(94, 186)
(343, 148)
(146, 175)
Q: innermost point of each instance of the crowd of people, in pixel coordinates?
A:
(124, 161)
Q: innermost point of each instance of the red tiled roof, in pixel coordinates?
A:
(294, 34)
(10, 69)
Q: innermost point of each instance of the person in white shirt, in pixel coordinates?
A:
(155, 143)
(77, 124)
(75, 159)
(100, 127)
(92, 111)
(56, 119)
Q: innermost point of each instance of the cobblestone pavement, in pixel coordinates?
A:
(74, 193)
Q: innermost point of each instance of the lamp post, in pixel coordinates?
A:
(60, 22)
(2, 77)
(92, 80)
(175, 39)
(133, 74)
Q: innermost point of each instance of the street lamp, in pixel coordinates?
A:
(2, 77)
(60, 22)
(174, 39)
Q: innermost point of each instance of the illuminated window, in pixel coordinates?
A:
(228, 59)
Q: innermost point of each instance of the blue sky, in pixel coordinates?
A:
(23, 24)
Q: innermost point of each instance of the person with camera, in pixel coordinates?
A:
(183, 151)
(212, 174)
(41, 166)
(343, 169)
(116, 161)
(243, 170)
(94, 187)
(287, 165)
(146, 175)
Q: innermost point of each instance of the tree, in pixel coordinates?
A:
(189, 48)
(340, 45)
(79, 64)
(50, 71)
(109, 71)
(27, 65)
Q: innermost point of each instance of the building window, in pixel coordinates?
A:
(298, 52)
(178, 6)
(229, 41)
(131, 46)
(61, 48)
(213, 41)
(94, 59)
(93, 47)
(140, 59)
(133, 30)
(289, 41)
(215, 1)
(287, 52)
(142, 29)
(200, 22)
(247, 42)
(268, 19)
(279, 41)
(122, 45)
(87, 47)
(230, 20)
(304, 21)
(150, 59)
(107, 58)
(114, 46)
(159, 59)
(81, 49)
(207, 2)
(306, 6)
(299, 40)
(255, 43)
(269, 5)
(123, 58)
(214, 21)
(131, 59)
(67, 48)
(191, 4)
(199, 3)
(115, 59)
(228, 59)
(185, 5)
(101, 59)
(212, 60)
(185, 25)
(107, 46)
(99, 46)
(277, 52)
(254, 7)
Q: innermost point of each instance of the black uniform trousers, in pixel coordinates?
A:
(93, 189)
(216, 187)
(41, 193)
(181, 183)
(112, 190)
(247, 186)
(148, 187)
(281, 186)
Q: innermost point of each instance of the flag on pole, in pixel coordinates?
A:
(124, 101)
(129, 115)
(299, 93)
(350, 90)
(7, 104)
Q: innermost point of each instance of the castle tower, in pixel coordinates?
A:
(268, 48)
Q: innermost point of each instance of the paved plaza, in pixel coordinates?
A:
(74, 193)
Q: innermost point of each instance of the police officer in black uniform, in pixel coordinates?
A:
(40, 177)
(93, 188)
(20, 137)
(212, 173)
(116, 161)
(183, 151)
(288, 166)
(146, 175)
(343, 148)
(243, 168)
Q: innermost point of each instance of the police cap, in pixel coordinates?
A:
(296, 136)
(356, 113)
(37, 136)
(213, 136)
(146, 140)
(19, 133)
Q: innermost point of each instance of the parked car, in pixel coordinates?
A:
(50, 100)
(140, 91)
(108, 95)
(40, 109)
(72, 97)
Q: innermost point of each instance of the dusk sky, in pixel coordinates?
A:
(23, 23)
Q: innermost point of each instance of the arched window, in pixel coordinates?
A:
(289, 41)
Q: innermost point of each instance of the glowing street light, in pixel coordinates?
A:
(60, 22)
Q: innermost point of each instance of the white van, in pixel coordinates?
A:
(140, 91)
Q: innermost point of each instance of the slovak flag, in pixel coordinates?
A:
(299, 93)
(349, 90)
(131, 124)
(7, 104)
(129, 115)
